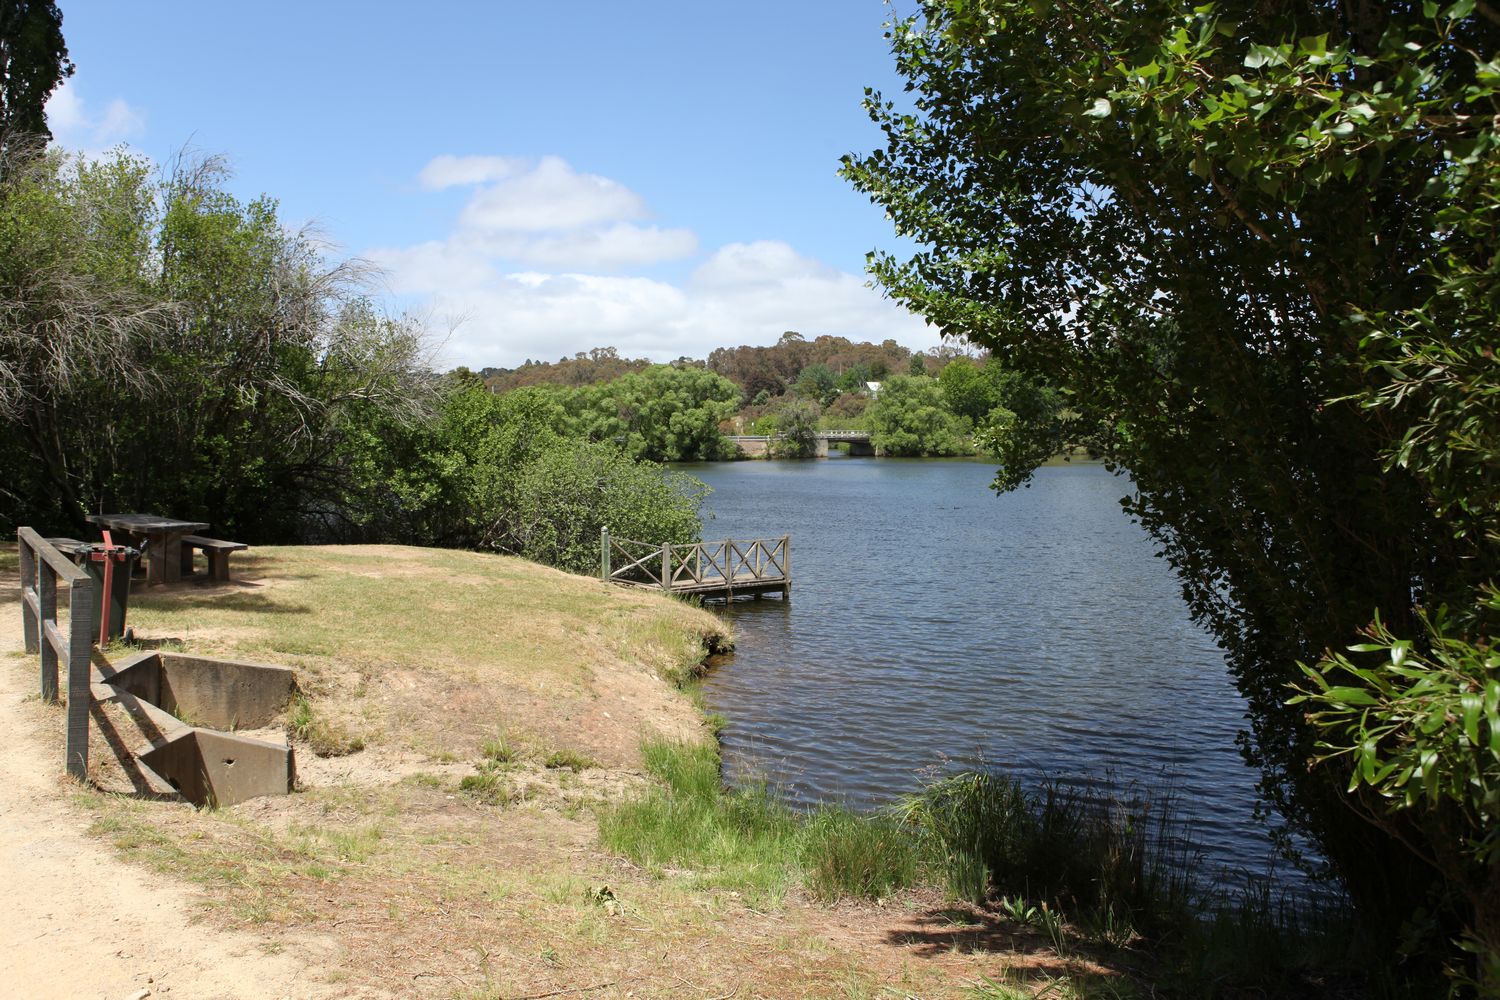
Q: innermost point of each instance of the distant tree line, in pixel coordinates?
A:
(602, 364)
(944, 402)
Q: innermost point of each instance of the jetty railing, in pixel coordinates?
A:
(42, 566)
(708, 569)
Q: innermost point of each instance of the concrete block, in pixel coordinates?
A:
(224, 694)
(222, 769)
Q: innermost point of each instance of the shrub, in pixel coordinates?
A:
(562, 500)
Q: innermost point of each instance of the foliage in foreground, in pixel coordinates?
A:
(1256, 248)
(1420, 727)
(36, 61)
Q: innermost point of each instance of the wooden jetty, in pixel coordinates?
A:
(710, 570)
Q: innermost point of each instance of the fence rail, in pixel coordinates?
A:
(42, 567)
(708, 569)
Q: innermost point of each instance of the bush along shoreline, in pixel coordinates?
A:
(1104, 882)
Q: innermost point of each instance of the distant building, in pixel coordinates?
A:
(873, 388)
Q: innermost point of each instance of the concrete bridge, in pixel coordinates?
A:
(757, 446)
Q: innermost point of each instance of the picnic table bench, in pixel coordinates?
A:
(217, 550)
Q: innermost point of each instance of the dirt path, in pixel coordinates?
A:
(78, 923)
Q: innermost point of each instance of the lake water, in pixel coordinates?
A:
(934, 625)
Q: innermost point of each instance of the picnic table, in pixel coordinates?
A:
(164, 537)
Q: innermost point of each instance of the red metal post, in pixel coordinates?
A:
(108, 556)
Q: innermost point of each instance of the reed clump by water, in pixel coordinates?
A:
(1099, 873)
(1117, 863)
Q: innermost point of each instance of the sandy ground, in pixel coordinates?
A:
(76, 922)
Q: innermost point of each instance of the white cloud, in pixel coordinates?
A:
(462, 171)
(610, 248)
(550, 196)
(520, 272)
(77, 126)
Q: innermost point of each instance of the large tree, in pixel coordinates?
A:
(33, 61)
(168, 347)
(666, 413)
(1236, 236)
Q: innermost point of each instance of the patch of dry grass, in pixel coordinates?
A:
(426, 649)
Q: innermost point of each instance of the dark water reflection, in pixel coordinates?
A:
(933, 624)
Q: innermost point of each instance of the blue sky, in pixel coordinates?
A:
(535, 179)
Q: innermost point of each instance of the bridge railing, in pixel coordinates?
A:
(698, 567)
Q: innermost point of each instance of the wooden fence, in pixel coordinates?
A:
(708, 569)
(42, 567)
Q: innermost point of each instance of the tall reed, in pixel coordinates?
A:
(1097, 856)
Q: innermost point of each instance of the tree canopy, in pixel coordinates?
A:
(167, 346)
(665, 413)
(909, 417)
(33, 61)
(1255, 248)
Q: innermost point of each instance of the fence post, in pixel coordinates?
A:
(666, 565)
(604, 554)
(46, 593)
(82, 607)
(30, 621)
(786, 565)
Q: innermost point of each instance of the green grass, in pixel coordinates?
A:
(747, 838)
(744, 839)
(1088, 874)
(490, 787)
(868, 856)
(326, 737)
(499, 750)
(570, 760)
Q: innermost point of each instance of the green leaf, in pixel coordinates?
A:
(1472, 702)
(1313, 45)
(1348, 696)
(1263, 55)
